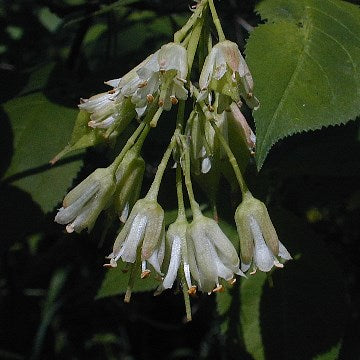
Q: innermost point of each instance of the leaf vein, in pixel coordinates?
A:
(336, 20)
(341, 46)
(322, 70)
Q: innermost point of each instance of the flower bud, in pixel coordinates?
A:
(259, 242)
(83, 204)
(110, 110)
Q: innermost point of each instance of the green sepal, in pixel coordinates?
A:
(82, 136)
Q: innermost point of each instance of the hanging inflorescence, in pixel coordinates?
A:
(198, 254)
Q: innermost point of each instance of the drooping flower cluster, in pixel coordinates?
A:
(162, 74)
(212, 139)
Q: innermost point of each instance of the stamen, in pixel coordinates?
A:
(233, 76)
(278, 265)
(145, 274)
(144, 271)
(232, 281)
(192, 290)
(149, 98)
(219, 288)
(173, 100)
(253, 272)
(143, 84)
(70, 228)
(161, 102)
(112, 264)
(112, 91)
(181, 79)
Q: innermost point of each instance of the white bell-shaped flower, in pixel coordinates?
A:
(211, 254)
(143, 229)
(259, 243)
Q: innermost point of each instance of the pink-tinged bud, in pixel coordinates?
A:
(226, 72)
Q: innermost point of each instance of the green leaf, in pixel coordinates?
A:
(40, 128)
(305, 63)
(49, 20)
(116, 282)
(276, 318)
(331, 354)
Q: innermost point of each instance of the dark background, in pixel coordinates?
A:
(48, 279)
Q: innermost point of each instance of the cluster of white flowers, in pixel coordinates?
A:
(165, 70)
(197, 253)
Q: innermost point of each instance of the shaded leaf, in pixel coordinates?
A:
(305, 63)
(116, 282)
(40, 129)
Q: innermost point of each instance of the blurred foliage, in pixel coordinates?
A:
(54, 52)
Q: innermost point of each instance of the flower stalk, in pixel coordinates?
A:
(216, 21)
(155, 186)
(209, 116)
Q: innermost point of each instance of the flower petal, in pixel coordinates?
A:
(136, 234)
(263, 257)
(174, 263)
(283, 253)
